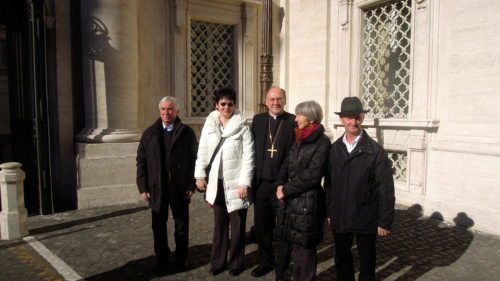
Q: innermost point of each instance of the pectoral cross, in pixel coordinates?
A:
(272, 150)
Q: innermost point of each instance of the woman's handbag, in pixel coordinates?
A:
(209, 166)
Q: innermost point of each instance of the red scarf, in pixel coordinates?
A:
(302, 134)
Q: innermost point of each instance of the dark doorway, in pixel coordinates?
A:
(28, 141)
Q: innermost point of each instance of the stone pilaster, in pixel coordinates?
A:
(14, 217)
(107, 145)
(417, 145)
(110, 71)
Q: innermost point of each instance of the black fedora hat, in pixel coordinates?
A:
(351, 106)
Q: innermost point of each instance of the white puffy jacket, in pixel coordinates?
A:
(236, 157)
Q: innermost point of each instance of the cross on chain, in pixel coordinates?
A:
(272, 150)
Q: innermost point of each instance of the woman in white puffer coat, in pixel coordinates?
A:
(229, 179)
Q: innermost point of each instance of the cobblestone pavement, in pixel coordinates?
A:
(115, 243)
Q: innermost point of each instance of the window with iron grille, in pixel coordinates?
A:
(386, 60)
(212, 63)
(398, 161)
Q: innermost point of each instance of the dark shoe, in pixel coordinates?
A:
(235, 272)
(261, 271)
(217, 271)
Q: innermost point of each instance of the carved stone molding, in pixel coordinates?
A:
(421, 5)
(344, 13)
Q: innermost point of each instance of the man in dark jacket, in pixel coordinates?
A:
(165, 176)
(360, 193)
(273, 133)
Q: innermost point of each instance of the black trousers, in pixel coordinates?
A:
(304, 262)
(180, 212)
(366, 245)
(220, 244)
(267, 209)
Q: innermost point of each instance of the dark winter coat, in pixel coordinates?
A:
(359, 187)
(301, 175)
(180, 177)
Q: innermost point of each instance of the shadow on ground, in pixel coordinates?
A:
(64, 225)
(142, 269)
(417, 245)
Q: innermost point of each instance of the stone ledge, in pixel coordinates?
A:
(107, 196)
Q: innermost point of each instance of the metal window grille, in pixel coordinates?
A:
(212, 63)
(386, 59)
(398, 161)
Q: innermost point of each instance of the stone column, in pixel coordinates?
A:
(107, 146)
(14, 217)
(110, 71)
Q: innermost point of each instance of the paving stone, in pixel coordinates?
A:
(115, 243)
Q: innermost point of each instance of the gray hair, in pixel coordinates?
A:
(169, 99)
(311, 110)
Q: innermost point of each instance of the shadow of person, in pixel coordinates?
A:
(417, 245)
(133, 270)
(142, 269)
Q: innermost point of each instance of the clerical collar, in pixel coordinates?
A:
(274, 116)
(169, 128)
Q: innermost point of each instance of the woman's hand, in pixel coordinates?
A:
(242, 191)
(279, 193)
(201, 184)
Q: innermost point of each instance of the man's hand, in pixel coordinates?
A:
(145, 196)
(279, 193)
(383, 232)
(201, 184)
(189, 193)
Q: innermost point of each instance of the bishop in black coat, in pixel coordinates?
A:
(267, 207)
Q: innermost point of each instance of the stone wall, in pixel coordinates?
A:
(106, 174)
(451, 135)
(465, 155)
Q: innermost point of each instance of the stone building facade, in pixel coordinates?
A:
(426, 69)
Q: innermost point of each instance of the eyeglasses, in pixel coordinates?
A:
(229, 104)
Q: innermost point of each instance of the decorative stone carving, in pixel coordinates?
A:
(421, 5)
(345, 7)
(266, 67)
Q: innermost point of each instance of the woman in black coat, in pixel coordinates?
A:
(299, 186)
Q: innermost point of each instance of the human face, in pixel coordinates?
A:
(225, 108)
(168, 112)
(302, 121)
(275, 101)
(352, 123)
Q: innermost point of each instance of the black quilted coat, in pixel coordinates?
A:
(301, 175)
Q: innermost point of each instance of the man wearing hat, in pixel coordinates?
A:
(360, 193)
